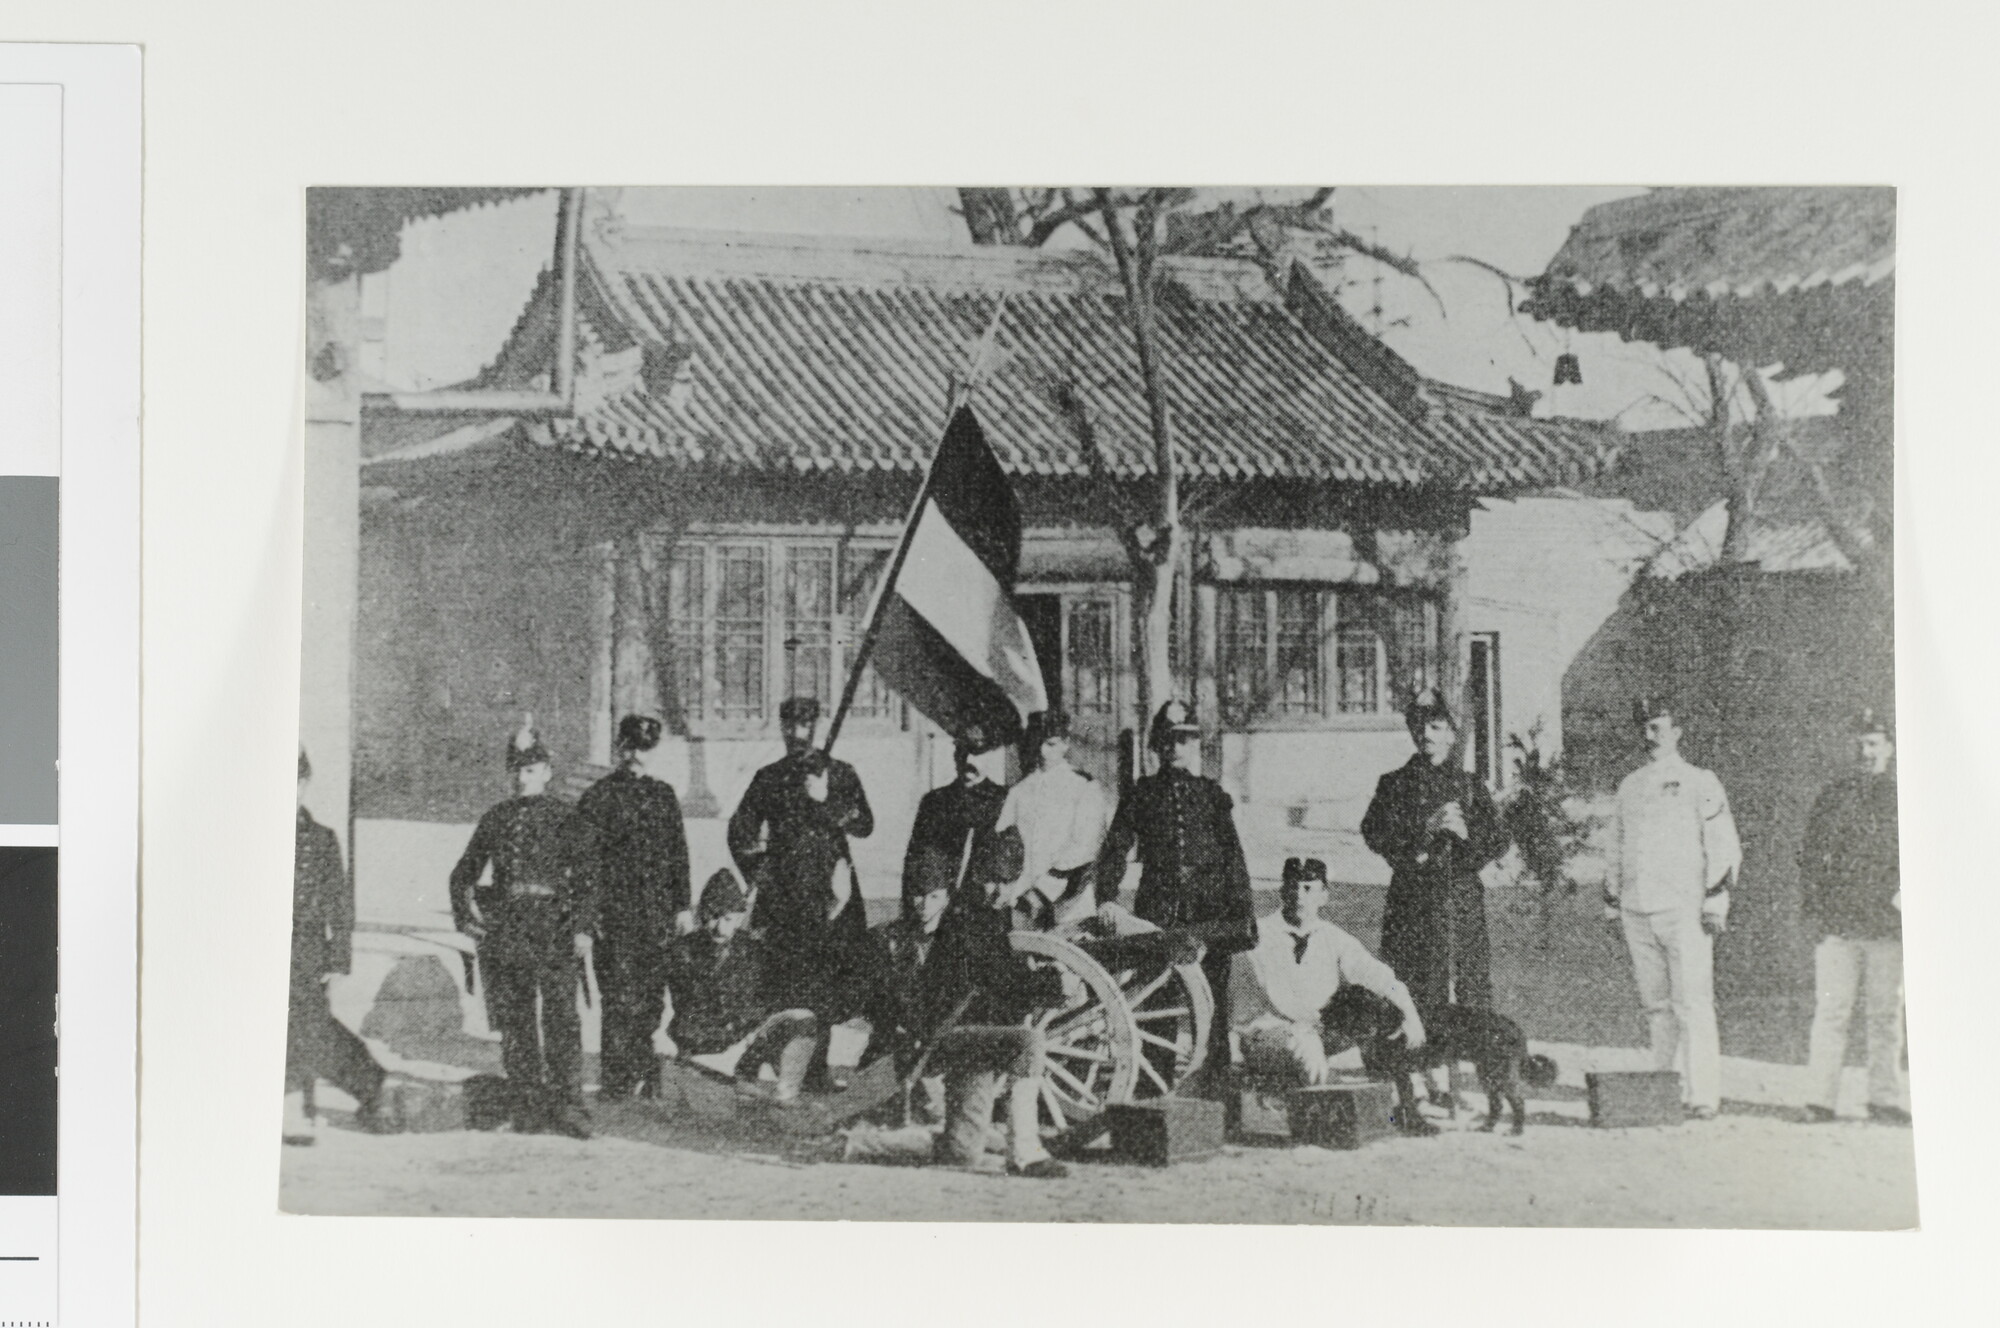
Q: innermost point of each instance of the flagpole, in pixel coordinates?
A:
(961, 394)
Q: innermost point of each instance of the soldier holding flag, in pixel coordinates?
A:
(789, 838)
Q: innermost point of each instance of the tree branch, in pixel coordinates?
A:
(1046, 224)
(1854, 541)
(1069, 403)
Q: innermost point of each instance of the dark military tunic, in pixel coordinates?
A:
(318, 1046)
(718, 989)
(541, 895)
(642, 886)
(920, 979)
(1434, 918)
(1849, 871)
(1192, 876)
(786, 845)
(945, 817)
(1192, 873)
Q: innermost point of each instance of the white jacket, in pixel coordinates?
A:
(1062, 815)
(1276, 982)
(1673, 839)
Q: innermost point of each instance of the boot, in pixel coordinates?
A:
(300, 1130)
(794, 1065)
(371, 1115)
(571, 1120)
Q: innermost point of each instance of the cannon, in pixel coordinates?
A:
(1134, 1023)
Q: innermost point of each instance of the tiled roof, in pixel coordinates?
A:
(358, 229)
(780, 353)
(1798, 275)
(1741, 242)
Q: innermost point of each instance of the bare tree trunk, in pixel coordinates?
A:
(990, 215)
(1154, 552)
(1769, 432)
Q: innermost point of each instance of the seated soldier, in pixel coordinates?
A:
(715, 976)
(951, 983)
(1284, 985)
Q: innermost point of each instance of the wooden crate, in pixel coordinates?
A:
(1622, 1099)
(1163, 1132)
(1345, 1115)
(423, 1106)
(1263, 1112)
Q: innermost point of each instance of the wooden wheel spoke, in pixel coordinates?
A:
(1073, 1020)
(1054, 1105)
(1146, 1068)
(1171, 1044)
(1137, 998)
(1172, 1012)
(1083, 1093)
(1080, 1054)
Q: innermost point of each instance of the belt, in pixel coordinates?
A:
(530, 890)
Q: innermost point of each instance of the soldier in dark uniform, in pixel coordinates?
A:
(1193, 878)
(1852, 900)
(789, 838)
(318, 1046)
(1436, 825)
(642, 904)
(965, 809)
(716, 975)
(534, 922)
(947, 980)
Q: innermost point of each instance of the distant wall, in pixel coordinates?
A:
(1546, 573)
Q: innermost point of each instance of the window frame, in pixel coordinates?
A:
(1328, 716)
(777, 548)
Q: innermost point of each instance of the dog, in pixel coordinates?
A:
(1492, 1042)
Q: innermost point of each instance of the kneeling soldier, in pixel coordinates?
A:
(717, 982)
(952, 983)
(533, 923)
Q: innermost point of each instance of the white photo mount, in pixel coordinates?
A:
(77, 1249)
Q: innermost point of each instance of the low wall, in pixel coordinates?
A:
(1323, 780)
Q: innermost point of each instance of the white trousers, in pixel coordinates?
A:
(1673, 960)
(1839, 967)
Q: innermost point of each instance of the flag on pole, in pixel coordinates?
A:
(947, 635)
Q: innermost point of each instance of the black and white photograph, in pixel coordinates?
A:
(1297, 705)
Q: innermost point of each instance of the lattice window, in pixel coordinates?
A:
(749, 621)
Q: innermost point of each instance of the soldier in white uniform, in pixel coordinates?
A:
(1061, 815)
(1673, 856)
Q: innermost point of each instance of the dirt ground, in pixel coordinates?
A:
(1752, 1167)
(1556, 970)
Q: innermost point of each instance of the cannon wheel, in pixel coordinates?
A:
(1092, 1039)
(1172, 1009)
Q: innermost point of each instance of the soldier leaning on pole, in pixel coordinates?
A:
(1853, 909)
(1193, 878)
(789, 839)
(642, 905)
(1434, 823)
(318, 1046)
(534, 923)
(1673, 856)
